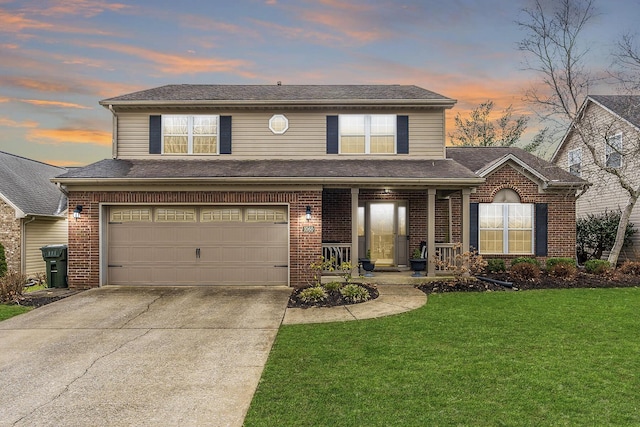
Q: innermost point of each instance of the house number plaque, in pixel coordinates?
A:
(308, 229)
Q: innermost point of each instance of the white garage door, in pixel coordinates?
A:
(198, 245)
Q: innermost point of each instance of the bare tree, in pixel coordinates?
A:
(479, 129)
(626, 63)
(556, 52)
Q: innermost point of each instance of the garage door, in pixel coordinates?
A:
(200, 245)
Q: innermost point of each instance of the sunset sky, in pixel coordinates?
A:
(58, 58)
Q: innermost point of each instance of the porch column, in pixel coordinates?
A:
(465, 219)
(431, 231)
(354, 230)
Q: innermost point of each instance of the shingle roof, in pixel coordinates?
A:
(273, 170)
(478, 159)
(625, 106)
(279, 93)
(26, 184)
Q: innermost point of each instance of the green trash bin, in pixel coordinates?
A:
(56, 258)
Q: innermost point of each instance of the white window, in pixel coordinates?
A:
(574, 160)
(182, 134)
(265, 215)
(506, 228)
(367, 134)
(175, 215)
(130, 215)
(613, 151)
(278, 124)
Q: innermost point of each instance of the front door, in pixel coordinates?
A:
(386, 232)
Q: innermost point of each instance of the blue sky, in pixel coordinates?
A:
(58, 58)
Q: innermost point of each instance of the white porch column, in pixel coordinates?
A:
(431, 231)
(354, 230)
(465, 219)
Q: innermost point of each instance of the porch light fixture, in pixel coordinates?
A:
(77, 211)
(308, 213)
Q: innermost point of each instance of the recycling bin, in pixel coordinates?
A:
(55, 257)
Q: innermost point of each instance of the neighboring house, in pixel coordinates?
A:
(33, 212)
(223, 184)
(611, 125)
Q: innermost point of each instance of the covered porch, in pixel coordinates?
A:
(389, 224)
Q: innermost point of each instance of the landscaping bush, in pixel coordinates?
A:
(332, 286)
(552, 262)
(524, 259)
(630, 267)
(463, 266)
(597, 266)
(355, 293)
(562, 270)
(525, 270)
(496, 266)
(12, 286)
(313, 294)
(597, 233)
(3, 261)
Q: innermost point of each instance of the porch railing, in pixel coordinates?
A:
(446, 253)
(338, 252)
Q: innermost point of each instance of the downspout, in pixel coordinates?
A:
(23, 245)
(114, 139)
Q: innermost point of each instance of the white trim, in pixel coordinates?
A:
(608, 146)
(286, 124)
(190, 135)
(19, 213)
(504, 159)
(569, 158)
(367, 133)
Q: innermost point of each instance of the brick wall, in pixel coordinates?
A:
(84, 241)
(561, 227)
(10, 236)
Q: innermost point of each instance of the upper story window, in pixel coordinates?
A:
(278, 124)
(367, 134)
(574, 160)
(613, 151)
(186, 134)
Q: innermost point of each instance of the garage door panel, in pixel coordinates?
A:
(230, 252)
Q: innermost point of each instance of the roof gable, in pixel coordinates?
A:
(25, 185)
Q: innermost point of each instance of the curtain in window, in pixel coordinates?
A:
(204, 134)
(352, 134)
(506, 228)
(176, 134)
(383, 130)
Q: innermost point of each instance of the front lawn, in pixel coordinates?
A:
(566, 357)
(10, 310)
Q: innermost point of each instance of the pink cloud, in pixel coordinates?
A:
(17, 23)
(68, 135)
(86, 8)
(14, 124)
(44, 103)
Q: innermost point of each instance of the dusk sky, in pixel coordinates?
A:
(58, 58)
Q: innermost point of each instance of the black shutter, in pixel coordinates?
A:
(474, 209)
(155, 134)
(225, 134)
(542, 213)
(402, 129)
(332, 134)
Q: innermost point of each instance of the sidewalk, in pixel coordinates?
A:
(393, 299)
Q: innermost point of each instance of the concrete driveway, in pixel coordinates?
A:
(121, 356)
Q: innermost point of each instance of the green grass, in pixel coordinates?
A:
(553, 358)
(10, 310)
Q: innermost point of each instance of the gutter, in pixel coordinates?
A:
(283, 103)
(114, 139)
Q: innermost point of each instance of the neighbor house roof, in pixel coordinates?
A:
(484, 160)
(26, 185)
(275, 94)
(373, 171)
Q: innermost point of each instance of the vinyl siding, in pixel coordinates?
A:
(305, 138)
(605, 192)
(39, 233)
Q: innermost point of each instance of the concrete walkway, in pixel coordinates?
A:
(393, 299)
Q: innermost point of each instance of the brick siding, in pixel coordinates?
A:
(10, 236)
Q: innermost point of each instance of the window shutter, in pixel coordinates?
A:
(225, 134)
(474, 209)
(541, 229)
(402, 130)
(155, 134)
(332, 134)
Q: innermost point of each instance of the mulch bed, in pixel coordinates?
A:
(334, 298)
(44, 297)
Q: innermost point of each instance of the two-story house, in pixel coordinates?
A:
(610, 126)
(241, 184)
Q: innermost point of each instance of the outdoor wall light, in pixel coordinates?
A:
(308, 213)
(76, 212)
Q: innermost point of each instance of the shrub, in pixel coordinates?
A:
(496, 266)
(552, 262)
(597, 233)
(563, 270)
(332, 286)
(525, 270)
(355, 293)
(463, 266)
(312, 294)
(12, 286)
(3, 261)
(524, 259)
(597, 266)
(630, 267)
